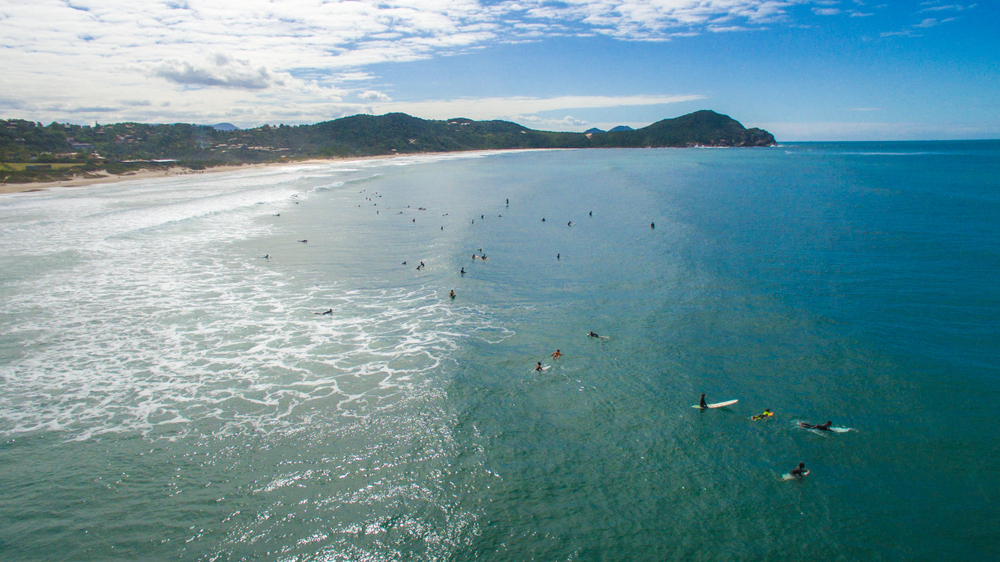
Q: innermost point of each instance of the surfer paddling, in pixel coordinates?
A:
(327, 312)
(799, 471)
(820, 427)
(593, 334)
(767, 413)
(557, 355)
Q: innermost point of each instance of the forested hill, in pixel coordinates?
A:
(129, 144)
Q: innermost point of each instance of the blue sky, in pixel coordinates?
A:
(804, 70)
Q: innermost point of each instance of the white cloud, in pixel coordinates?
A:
(727, 29)
(222, 71)
(955, 7)
(567, 123)
(826, 11)
(374, 95)
(927, 23)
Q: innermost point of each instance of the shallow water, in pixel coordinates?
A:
(166, 392)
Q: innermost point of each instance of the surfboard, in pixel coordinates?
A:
(718, 404)
(787, 476)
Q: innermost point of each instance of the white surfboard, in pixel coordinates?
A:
(718, 404)
(787, 476)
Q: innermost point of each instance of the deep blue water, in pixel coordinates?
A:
(167, 393)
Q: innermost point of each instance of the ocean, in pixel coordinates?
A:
(255, 366)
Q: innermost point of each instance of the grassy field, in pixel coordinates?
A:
(20, 167)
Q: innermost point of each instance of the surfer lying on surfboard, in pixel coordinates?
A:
(820, 427)
(767, 413)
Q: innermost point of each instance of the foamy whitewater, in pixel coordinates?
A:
(241, 365)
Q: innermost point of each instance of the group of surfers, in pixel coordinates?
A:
(557, 354)
(799, 471)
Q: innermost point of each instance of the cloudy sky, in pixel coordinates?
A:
(803, 69)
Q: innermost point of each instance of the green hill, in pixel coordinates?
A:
(702, 128)
(128, 145)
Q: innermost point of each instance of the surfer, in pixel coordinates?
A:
(557, 354)
(543, 219)
(570, 223)
(327, 312)
(702, 404)
(557, 256)
(593, 334)
(820, 427)
(538, 367)
(508, 201)
(267, 256)
(592, 213)
(652, 225)
(463, 271)
(303, 241)
(452, 294)
(475, 256)
(799, 471)
(767, 413)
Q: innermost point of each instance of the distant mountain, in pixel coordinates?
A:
(593, 131)
(225, 127)
(701, 128)
(621, 128)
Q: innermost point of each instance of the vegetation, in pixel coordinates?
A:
(25, 146)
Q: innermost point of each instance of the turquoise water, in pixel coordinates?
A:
(166, 393)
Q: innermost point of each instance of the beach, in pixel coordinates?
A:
(150, 174)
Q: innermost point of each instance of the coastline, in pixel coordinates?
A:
(105, 177)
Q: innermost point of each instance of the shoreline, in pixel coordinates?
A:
(105, 177)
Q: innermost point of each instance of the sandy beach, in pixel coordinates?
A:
(104, 177)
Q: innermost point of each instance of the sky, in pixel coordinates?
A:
(805, 70)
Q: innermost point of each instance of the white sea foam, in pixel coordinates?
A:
(159, 327)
